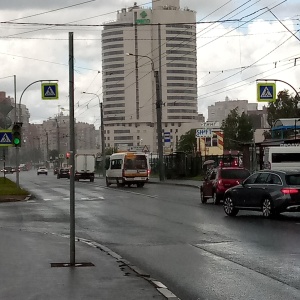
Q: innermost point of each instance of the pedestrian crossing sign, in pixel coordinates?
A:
(5, 138)
(266, 92)
(49, 91)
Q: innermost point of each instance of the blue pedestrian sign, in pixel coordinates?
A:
(5, 138)
(266, 92)
(49, 91)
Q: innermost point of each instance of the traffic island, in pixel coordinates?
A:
(10, 192)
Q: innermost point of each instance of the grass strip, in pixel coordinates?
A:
(8, 187)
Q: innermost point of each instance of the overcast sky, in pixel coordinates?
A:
(231, 55)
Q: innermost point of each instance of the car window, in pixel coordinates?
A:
(292, 179)
(262, 178)
(235, 174)
(116, 164)
(251, 179)
(273, 179)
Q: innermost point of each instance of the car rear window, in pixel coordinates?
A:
(235, 174)
(292, 179)
(136, 162)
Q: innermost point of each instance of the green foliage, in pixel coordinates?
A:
(188, 141)
(111, 150)
(237, 130)
(285, 106)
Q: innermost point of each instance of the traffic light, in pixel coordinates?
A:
(68, 155)
(16, 134)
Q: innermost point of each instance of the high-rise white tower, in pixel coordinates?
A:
(161, 38)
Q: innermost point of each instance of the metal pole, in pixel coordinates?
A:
(295, 130)
(72, 150)
(17, 148)
(159, 114)
(58, 141)
(47, 146)
(102, 133)
(103, 142)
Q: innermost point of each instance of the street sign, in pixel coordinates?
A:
(49, 91)
(61, 155)
(266, 92)
(5, 138)
(203, 132)
(167, 137)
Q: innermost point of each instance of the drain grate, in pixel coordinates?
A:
(67, 265)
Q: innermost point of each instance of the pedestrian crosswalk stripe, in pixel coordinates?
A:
(50, 92)
(266, 93)
(5, 139)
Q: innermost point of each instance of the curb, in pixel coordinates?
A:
(160, 287)
(175, 183)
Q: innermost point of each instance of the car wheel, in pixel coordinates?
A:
(202, 198)
(140, 184)
(229, 208)
(107, 182)
(216, 199)
(267, 208)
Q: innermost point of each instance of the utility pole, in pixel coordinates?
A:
(58, 141)
(159, 114)
(72, 150)
(103, 141)
(158, 105)
(47, 146)
(102, 133)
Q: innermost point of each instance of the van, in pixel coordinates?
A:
(284, 157)
(128, 168)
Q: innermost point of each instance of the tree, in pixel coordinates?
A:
(285, 106)
(188, 141)
(237, 130)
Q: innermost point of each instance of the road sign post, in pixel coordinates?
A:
(50, 91)
(6, 138)
(266, 92)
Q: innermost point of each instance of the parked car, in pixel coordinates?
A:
(271, 192)
(42, 170)
(63, 173)
(218, 180)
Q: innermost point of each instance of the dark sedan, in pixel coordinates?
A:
(271, 192)
(63, 173)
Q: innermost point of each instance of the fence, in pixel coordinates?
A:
(181, 164)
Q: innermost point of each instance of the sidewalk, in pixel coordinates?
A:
(35, 265)
(182, 182)
(29, 271)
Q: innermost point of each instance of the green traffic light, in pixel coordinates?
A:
(16, 141)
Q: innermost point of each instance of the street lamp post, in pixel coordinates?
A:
(158, 116)
(102, 133)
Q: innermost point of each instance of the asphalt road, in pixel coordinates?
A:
(194, 249)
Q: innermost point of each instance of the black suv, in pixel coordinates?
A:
(63, 173)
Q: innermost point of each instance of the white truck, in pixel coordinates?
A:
(85, 167)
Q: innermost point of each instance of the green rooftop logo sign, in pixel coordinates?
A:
(143, 19)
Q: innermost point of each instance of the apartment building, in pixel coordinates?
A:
(134, 47)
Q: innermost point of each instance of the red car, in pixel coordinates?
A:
(218, 180)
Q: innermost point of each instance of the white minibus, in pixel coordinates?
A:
(284, 157)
